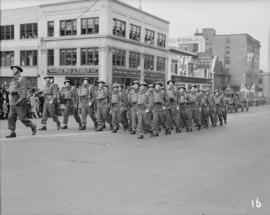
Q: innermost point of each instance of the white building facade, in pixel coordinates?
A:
(102, 39)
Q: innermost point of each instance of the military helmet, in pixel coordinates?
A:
(100, 81)
(115, 85)
(143, 83)
(17, 67)
(67, 80)
(158, 83)
(171, 81)
(136, 82)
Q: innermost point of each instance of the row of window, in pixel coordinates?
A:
(88, 26)
(119, 29)
(89, 56)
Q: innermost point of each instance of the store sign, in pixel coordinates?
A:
(72, 71)
(184, 79)
(126, 73)
(154, 75)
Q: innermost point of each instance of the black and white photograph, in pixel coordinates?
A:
(135, 107)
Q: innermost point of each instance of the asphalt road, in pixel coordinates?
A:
(218, 171)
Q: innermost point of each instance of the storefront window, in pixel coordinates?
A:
(149, 62)
(90, 26)
(119, 28)
(29, 31)
(119, 57)
(68, 27)
(134, 60)
(29, 58)
(135, 32)
(68, 57)
(7, 32)
(7, 58)
(89, 56)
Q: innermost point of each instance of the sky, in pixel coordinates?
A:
(185, 16)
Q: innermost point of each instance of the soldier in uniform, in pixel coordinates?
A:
(18, 102)
(218, 103)
(212, 108)
(189, 103)
(115, 107)
(204, 109)
(129, 107)
(149, 114)
(172, 107)
(195, 106)
(102, 105)
(87, 103)
(51, 94)
(159, 106)
(143, 108)
(224, 103)
(134, 103)
(123, 108)
(71, 98)
(182, 108)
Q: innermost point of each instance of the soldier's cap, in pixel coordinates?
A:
(193, 86)
(151, 85)
(87, 79)
(130, 88)
(170, 81)
(66, 81)
(17, 67)
(158, 83)
(136, 82)
(143, 83)
(47, 76)
(181, 87)
(216, 91)
(115, 85)
(100, 81)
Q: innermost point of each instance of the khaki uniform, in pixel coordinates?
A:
(134, 103)
(172, 109)
(143, 105)
(102, 106)
(116, 102)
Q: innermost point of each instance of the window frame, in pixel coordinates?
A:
(29, 28)
(149, 37)
(94, 51)
(73, 57)
(161, 67)
(10, 59)
(50, 33)
(95, 23)
(148, 63)
(135, 62)
(50, 57)
(121, 57)
(24, 54)
(73, 25)
(161, 40)
(7, 30)
(117, 23)
(135, 35)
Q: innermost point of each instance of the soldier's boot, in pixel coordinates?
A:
(168, 131)
(11, 135)
(64, 127)
(114, 130)
(43, 128)
(178, 130)
(220, 123)
(99, 128)
(133, 132)
(199, 127)
(155, 134)
(58, 126)
(141, 137)
(34, 129)
(83, 127)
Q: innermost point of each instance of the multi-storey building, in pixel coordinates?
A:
(240, 54)
(103, 39)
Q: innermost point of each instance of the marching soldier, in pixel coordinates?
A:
(87, 103)
(194, 99)
(212, 108)
(115, 107)
(18, 102)
(102, 105)
(134, 103)
(224, 103)
(71, 98)
(159, 105)
(123, 108)
(149, 114)
(143, 108)
(218, 103)
(172, 107)
(51, 96)
(189, 103)
(204, 109)
(129, 107)
(183, 112)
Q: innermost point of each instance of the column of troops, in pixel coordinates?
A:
(140, 108)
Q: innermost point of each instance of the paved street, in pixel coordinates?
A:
(218, 171)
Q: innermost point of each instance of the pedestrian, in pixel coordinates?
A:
(71, 98)
(51, 99)
(18, 94)
(34, 104)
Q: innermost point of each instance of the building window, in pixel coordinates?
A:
(119, 28)
(50, 28)
(68, 57)
(29, 31)
(161, 64)
(227, 60)
(135, 32)
(7, 58)
(161, 41)
(29, 58)
(149, 62)
(89, 56)
(134, 60)
(149, 37)
(227, 52)
(174, 67)
(90, 26)
(7, 32)
(68, 27)
(119, 57)
(50, 55)
(227, 40)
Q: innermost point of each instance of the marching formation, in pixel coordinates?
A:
(139, 109)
